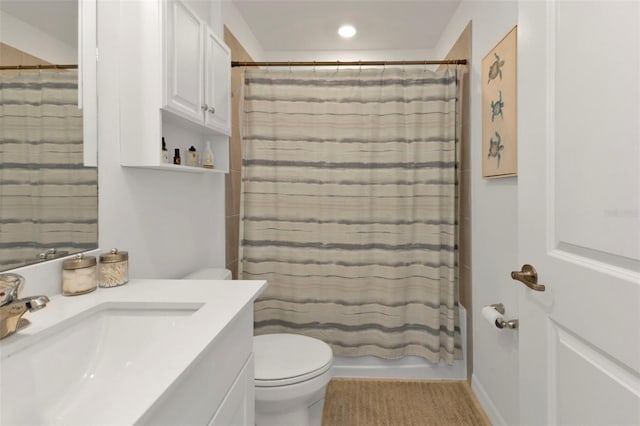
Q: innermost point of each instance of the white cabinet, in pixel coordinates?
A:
(238, 407)
(174, 82)
(217, 83)
(218, 388)
(197, 70)
(184, 66)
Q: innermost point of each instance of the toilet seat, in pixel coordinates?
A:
(287, 359)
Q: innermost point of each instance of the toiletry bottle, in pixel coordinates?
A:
(192, 157)
(165, 152)
(207, 157)
(176, 156)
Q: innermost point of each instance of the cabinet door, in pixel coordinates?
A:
(184, 57)
(217, 84)
(238, 407)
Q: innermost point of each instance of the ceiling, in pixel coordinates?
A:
(381, 24)
(58, 18)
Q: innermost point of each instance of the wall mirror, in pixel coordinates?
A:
(48, 137)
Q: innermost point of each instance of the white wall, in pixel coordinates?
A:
(232, 18)
(171, 223)
(494, 225)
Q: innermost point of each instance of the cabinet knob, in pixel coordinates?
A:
(205, 107)
(212, 110)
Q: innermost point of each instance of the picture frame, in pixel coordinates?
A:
(499, 109)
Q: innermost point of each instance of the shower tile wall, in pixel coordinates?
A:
(232, 180)
(462, 50)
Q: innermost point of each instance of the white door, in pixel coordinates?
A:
(579, 211)
(184, 61)
(217, 84)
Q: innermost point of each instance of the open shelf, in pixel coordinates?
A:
(179, 168)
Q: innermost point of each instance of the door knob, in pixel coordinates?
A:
(529, 277)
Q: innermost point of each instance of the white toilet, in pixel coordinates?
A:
(291, 372)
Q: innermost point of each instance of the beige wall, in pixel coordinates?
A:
(461, 49)
(232, 180)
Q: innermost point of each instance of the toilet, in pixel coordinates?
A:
(291, 375)
(291, 372)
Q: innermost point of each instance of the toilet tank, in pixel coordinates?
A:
(209, 274)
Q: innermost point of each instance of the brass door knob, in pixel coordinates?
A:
(529, 277)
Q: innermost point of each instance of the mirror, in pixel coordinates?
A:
(48, 192)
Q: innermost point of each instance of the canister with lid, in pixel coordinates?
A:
(79, 275)
(114, 268)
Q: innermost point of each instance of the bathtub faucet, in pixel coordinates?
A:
(12, 307)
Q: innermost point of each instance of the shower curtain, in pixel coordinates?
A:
(349, 199)
(48, 199)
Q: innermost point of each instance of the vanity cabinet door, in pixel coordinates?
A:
(184, 61)
(217, 83)
(238, 407)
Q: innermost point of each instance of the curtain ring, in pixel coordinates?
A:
(337, 66)
(360, 63)
(314, 66)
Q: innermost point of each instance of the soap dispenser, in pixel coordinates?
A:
(207, 157)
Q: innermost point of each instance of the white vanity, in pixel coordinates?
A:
(149, 352)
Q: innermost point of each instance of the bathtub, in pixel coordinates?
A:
(405, 368)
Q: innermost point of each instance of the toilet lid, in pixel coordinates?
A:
(284, 359)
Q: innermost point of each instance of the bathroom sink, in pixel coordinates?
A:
(46, 377)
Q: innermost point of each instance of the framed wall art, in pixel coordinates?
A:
(499, 109)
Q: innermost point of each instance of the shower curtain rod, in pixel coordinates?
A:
(38, 67)
(346, 63)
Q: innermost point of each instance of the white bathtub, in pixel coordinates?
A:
(405, 368)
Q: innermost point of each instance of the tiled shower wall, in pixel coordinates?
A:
(232, 179)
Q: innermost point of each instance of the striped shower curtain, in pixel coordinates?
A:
(48, 199)
(349, 199)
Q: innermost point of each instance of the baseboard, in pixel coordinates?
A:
(486, 402)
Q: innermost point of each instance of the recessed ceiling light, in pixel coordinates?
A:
(347, 31)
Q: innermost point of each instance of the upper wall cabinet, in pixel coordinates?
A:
(197, 70)
(176, 83)
(184, 67)
(217, 99)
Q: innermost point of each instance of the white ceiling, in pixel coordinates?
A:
(59, 18)
(305, 25)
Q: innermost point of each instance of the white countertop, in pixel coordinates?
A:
(156, 364)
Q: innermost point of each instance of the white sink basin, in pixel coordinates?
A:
(80, 356)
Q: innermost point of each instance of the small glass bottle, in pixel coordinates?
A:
(79, 275)
(176, 157)
(165, 152)
(114, 268)
(207, 157)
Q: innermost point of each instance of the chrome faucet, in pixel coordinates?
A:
(12, 308)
